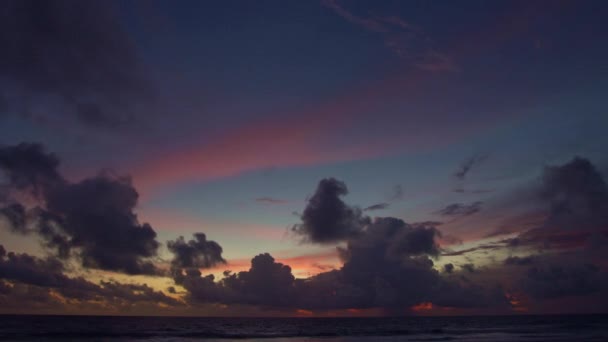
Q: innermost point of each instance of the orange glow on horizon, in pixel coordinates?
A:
(424, 306)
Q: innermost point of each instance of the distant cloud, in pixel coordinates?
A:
(378, 206)
(483, 247)
(469, 164)
(397, 193)
(461, 209)
(271, 200)
(401, 37)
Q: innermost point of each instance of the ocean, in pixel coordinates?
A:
(487, 328)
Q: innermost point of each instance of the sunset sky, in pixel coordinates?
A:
(340, 157)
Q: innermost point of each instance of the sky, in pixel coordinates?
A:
(303, 158)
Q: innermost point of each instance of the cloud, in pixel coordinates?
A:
(45, 67)
(270, 200)
(519, 261)
(562, 281)
(14, 213)
(94, 217)
(403, 38)
(98, 216)
(47, 275)
(378, 206)
(397, 193)
(468, 165)
(575, 200)
(577, 195)
(387, 265)
(483, 247)
(551, 276)
(196, 253)
(460, 209)
(326, 218)
(29, 166)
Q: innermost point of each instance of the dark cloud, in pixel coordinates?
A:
(395, 238)
(28, 269)
(68, 56)
(14, 213)
(196, 253)
(28, 166)
(387, 265)
(469, 268)
(476, 191)
(95, 217)
(270, 200)
(98, 216)
(563, 280)
(48, 274)
(560, 282)
(519, 261)
(326, 218)
(267, 283)
(461, 209)
(468, 165)
(575, 196)
(378, 206)
(483, 247)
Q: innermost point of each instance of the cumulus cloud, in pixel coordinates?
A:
(193, 254)
(94, 75)
(575, 197)
(94, 217)
(388, 264)
(326, 218)
(29, 167)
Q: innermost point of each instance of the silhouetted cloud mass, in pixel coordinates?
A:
(47, 68)
(576, 199)
(28, 166)
(42, 276)
(387, 264)
(326, 218)
(95, 216)
(198, 252)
